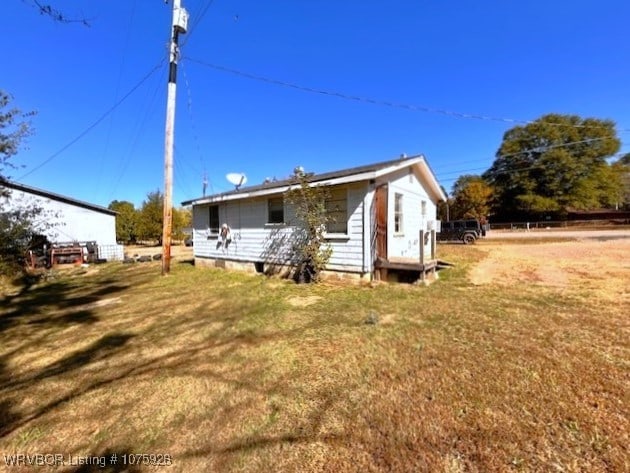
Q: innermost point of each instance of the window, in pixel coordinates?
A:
(398, 213)
(423, 206)
(275, 209)
(213, 219)
(337, 211)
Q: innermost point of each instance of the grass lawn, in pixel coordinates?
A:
(226, 371)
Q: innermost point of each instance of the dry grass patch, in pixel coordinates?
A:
(234, 372)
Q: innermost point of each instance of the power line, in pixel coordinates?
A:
(140, 124)
(528, 168)
(93, 125)
(538, 149)
(193, 125)
(356, 98)
(463, 171)
(118, 81)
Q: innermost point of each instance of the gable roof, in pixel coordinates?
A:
(343, 176)
(53, 196)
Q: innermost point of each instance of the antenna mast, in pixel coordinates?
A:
(179, 25)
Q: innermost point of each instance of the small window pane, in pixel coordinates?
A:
(213, 223)
(398, 213)
(276, 210)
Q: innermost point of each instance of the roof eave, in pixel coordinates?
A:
(279, 189)
(419, 162)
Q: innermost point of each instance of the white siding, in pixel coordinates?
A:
(69, 222)
(406, 244)
(254, 240)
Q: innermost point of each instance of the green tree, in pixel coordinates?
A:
(471, 198)
(151, 217)
(14, 128)
(309, 203)
(622, 170)
(126, 221)
(552, 164)
(19, 224)
(182, 219)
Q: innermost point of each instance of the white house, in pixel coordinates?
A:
(68, 220)
(381, 212)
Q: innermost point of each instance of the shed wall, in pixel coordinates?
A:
(68, 222)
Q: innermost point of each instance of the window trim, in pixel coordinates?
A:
(269, 210)
(338, 235)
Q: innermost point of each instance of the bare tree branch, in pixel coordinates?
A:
(55, 14)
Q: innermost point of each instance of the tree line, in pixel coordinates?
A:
(145, 223)
(546, 169)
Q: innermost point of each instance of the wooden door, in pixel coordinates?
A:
(380, 222)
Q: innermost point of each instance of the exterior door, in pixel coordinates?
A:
(380, 222)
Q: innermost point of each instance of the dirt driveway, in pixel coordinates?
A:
(599, 266)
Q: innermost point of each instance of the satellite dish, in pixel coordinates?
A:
(237, 179)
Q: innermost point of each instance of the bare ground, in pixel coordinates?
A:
(602, 267)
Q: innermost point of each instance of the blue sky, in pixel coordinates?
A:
(499, 59)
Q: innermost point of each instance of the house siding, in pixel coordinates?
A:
(406, 244)
(256, 241)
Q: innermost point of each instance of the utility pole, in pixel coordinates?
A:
(179, 25)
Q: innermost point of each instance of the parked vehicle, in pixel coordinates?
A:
(466, 231)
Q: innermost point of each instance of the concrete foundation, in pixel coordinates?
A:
(269, 269)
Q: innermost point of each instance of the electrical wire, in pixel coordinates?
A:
(101, 161)
(193, 125)
(180, 176)
(94, 124)
(444, 176)
(134, 142)
(528, 168)
(356, 98)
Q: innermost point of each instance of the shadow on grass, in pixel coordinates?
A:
(104, 348)
(47, 306)
(35, 316)
(7, 416)
(215, 336)
(308, 429)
